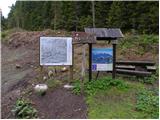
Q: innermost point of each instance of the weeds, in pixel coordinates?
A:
(90, 88)
(23, 109)
(151, 79)
(148, 103)
(138, 44)
(77, 88)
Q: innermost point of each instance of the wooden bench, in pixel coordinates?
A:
(137, 68)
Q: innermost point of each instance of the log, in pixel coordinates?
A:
(135, 63)
(151, 68)
(133, 72)
(125, 67)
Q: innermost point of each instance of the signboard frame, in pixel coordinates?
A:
(83, 38)
(102, 59)
(68, 52)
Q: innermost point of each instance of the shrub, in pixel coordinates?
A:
(151, 79)
(23, 109)
(90, 88)
(148, 102)
(138, 44)
(77, 88)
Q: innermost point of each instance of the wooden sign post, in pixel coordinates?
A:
(55, 51)
(107, 34)
(114, 43)
(90, 61)
(71, 66)
(85, 38)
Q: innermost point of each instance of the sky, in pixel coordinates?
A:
(102, 50)
(4, 6)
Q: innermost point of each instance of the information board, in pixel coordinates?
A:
(55, 51)
(82, 37)
(102, 59)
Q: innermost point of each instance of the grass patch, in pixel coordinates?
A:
(112, 104)
(115, 103)
(138, 44)
(148, 103)
(92, 87)
(107, 99)
(151, 79)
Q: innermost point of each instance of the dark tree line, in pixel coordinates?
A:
(143, 16)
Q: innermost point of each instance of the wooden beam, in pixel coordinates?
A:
(138, 63)
(71, 66)
(151, 68)
(114, 61)
(133, 72)
(125, 67)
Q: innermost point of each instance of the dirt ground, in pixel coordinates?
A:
(60, 104)
(23, 49)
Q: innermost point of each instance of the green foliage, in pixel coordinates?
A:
(92, 87)
(115, 103)
(6, 33)
(126, 16)
(148, 103)
(3, 35)
(75, 15)
(151, 79)
(24, 110)
(138, 44)
(77, 87)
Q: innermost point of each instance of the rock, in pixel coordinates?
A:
(77, 110)
(68, 86)
(18, 66)
(41, 88)
(44, 78)
(31, 66)
(50, 73)
(64, 69)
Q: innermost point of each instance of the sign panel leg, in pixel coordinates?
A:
(114, 61)
(71, 66)
(90, 62)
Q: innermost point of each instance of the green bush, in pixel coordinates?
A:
(90, 88)
(77, 87)
(151, 79)
(23, 109)
(138, 44)
(3, 35)
(148, 102)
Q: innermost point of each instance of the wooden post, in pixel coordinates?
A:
(41, 72)
(90, 61)
(114, 61)
(83, 62)
(71, 66)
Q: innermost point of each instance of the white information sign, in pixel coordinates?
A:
(55, 51)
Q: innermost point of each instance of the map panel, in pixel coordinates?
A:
(55, 51)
